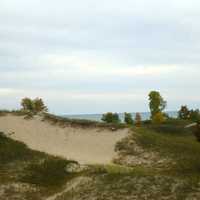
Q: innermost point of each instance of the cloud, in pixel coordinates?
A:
(99, 51)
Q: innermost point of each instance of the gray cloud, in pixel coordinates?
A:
(94, 47)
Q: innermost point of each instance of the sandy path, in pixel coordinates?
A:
(86, 145)
(70, 186)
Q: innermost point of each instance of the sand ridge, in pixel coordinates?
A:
(85, 145)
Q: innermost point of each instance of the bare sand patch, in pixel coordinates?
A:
(85, 145)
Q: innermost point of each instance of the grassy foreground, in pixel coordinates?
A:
(29, 174)
(177, 177)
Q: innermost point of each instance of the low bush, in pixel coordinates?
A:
(183, 150)
(128, 119)
(173, 126)
(138, 119)
(36, 167)
(49, 172)
(158, 118)
(111, 118)
(33, 105)
(11, 150)
(62, 121)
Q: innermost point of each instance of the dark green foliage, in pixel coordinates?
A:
(146, 122)
(128, 118)
(111, 118)
(167, 128)
(195, 115)
(39, 105)
(157, 103)
(33, 105)
(40, 169)
(63, 121)
(184, 113)
(27, 104)
(187, 114)
(171, 126)
(196, 131)
(49, 172)
(11, 150)
(183, 149)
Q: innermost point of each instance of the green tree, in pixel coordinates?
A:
(33, 105)
(27, 104)
(128, 118)
(184, 112)
(39, 105)
(194, 115)
(111, 117)
(156, 103)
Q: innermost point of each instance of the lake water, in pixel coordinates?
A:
(97, 117)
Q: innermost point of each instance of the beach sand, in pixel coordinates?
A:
(85, 145)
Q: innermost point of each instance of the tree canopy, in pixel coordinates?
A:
(33, 105)
(156, 103)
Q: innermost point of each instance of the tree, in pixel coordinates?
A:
(195, 115)
(184, 112)
(27, 104)
(138, 119)
(128, 118)
(157, 104)
(158, 118)
(39, 105)
(111, 117)
(33, 105)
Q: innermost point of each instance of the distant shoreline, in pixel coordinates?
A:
(97, 117)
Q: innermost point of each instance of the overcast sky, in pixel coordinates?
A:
(95, 56)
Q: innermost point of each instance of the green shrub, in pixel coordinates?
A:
(33, 105)
(64, 121)
(156, 103)
(111, 118)
(36, 167)
(49, 172)
(11, 150)
(195, 115)
(196, 132)
(158, 118)
(183, 150)
(172, 126)
(128, 118)
(184, 113)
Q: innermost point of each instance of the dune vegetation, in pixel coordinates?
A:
(155, 159)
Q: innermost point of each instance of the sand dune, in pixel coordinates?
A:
(85, 145)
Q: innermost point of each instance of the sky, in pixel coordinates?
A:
(98, 56)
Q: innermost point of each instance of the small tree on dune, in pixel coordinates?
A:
(27, 104)
(33, 105)
(156, 103)
(111, 117)
(195, 115)
(138, 119)
(184, 112)
(159, 118)
(39, 105)
(128, 118)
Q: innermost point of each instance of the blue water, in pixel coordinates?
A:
(97, 117)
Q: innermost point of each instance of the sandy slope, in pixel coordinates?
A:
(86, 145)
